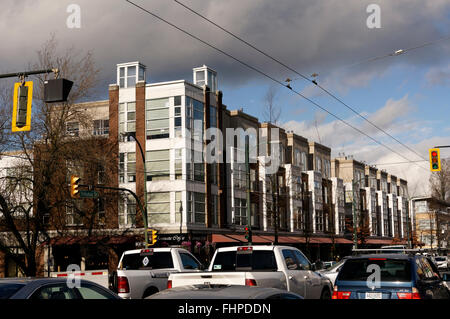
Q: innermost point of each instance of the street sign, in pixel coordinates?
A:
(88, 194)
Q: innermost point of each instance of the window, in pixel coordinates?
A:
(122, 77)
(303, 262)
(200, 78)
(196, 207)
(101, 127)
(178, 163)
(154, 260)
(240, 211)
(127, 118)
(189, 262)
(290, 260)
(391, 270)
(319, 220)
(73, 129)
(73, 216)
(122, 168)
(159, 207)
(88, 291)
(131, 167)
(101, 210)
(158, 165)
(127, 212)
(131, 76)
(178, 207)
(55, 291)
(256, 260)
(157, 116)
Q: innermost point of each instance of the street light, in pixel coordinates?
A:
(127, 134)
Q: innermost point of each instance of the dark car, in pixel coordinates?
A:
(52, 288)
(389, 276)
(224, 292)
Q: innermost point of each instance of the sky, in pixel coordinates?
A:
(405, 95)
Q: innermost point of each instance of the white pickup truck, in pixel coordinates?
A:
(280, 267)
(143, 272)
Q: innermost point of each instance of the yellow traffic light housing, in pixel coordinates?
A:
(74, 192)
(22, 100)
(154, 237)
(435, 160)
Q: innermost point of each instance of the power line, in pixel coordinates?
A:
(303, 76)
(268, 76)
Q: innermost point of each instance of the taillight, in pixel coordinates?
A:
(122, 285)
(250, 282)
(169, 284)
(409, 295)
(340, 294)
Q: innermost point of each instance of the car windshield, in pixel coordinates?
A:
(390, 269)
(156, 260)
(9, 289)
(256, 260)
(439, 258)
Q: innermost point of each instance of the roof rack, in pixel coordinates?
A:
(388, 251)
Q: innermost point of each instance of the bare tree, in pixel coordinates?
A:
(46, 156)
(271, 111)
(440, 182)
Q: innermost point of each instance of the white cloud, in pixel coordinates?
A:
(394, 117)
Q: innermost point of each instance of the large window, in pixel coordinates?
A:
(157, 116)
(131, 167)
(73, 129)
(127, 212)
(73, 216)
(159, 207)
(196, 207)
(101, 127)
(158, 165)
(127, 118)
(240, 211)
(177, 120)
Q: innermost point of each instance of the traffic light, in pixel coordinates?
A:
(435, 160)
(57, 90)
(74, 192)
(248, 233)
(154, 237)
(22, 99)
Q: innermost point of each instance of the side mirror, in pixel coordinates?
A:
(201, 267)
(446, 277)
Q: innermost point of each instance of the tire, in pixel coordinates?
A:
(149, 291)
(326, 294)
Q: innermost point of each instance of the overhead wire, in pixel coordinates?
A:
(269, 77)
(302, 75)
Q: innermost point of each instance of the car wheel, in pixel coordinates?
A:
(149, 291)
(325, 294)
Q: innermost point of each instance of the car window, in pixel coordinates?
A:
(428, 269)
(420, 270)
(55, 291)
(390, 269)
(155, 260)
(263, 260)
(290, 260)
(303, 262)
(189, 262)
(88, 291)
(7, 290)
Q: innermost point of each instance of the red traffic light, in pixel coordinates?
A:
(434, 153)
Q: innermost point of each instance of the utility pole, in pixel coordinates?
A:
(247, 170)
(355, 219)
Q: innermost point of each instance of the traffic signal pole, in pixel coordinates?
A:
(27, 73)
(135, 197)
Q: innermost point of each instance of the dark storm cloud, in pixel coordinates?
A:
(310, 36)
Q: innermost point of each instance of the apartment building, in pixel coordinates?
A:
(196, 194)
(431, 225)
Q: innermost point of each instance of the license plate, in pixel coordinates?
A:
(374, 295)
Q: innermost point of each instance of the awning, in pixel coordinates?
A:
(374, 241)
(84, 240)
